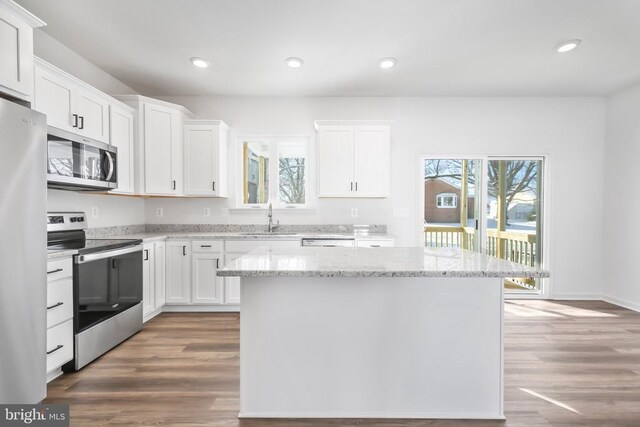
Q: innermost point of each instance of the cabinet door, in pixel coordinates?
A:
(55, 96)
(159, 258)
(93, 115)
(159, 129)
(335, 161)
(16, 55)
(231, 284)
(121, 137)
(207, 287)
(177, 276)
(201, 159)
(148, 279)
(372, 161)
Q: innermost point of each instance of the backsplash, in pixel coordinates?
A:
(232, 228)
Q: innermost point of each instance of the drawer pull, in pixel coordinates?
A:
(55, 349)
(57, 270)
(58, 304)
(205, 246)
(375, 246)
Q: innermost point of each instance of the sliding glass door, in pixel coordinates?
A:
(491, 205)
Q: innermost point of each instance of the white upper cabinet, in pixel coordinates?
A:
(16, 50)
(71, 104)
(205, 158)
(121, 121)
(354, 158)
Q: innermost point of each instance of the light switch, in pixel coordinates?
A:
(206, 212)
(401, 212)
(159, 212)
(94, 212)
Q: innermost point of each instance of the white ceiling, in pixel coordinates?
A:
(444, 47)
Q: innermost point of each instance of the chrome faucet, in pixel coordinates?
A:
(272, 227)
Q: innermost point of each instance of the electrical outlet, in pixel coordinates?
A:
(225, 212)
(160, 212)
(354, 212)
(206, 212)
(401, 212)
(94, 212)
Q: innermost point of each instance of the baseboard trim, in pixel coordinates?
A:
(577, 297)
(200, 308)
(151, 315)
(622, 303)
(373, 415)
(54, 374)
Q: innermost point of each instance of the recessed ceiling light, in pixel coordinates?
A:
(294, 62)
(568, 45)
(199, 62)
(388, 62)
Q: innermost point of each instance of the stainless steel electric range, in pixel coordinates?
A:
(107, 286)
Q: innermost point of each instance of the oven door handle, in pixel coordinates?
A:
(81, 259)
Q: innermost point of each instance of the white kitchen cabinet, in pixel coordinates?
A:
(381, 242)
(354, 160)
(69, 103)
(231, 284)
(162, 150)
(159, 249)
(178, 286)
(205, 158)
(206, 286)
(121, 134)
(16, 50)
(59, 315)
(148, 279)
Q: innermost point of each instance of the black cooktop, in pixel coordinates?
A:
(87, 246)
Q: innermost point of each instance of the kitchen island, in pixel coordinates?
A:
(372, 333)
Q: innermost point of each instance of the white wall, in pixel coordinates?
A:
(112, 210)
(621, 250)
(570, 131)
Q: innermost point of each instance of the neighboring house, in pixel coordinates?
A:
(520, 209)
(442, 202)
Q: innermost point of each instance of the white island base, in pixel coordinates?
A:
(371, 347)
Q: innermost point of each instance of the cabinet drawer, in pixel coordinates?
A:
(59, 301)
(59, 269)
(249, 245)
(206, 246)
(383, 243)
(59, 345)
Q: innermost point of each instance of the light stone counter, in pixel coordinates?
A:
(375, 262)
(208, 235)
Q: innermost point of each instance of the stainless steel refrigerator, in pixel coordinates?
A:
(23, 259)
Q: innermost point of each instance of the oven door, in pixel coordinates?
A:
(105, 284)
(78, 163)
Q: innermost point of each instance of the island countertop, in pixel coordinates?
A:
(374, 262)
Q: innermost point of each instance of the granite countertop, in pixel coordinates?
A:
(212, 235)
(374, 262)
(60, 253)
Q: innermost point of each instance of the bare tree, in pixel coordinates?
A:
(291, 184)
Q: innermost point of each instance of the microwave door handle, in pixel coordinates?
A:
(110, 173)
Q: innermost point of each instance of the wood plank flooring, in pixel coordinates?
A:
(566, 364)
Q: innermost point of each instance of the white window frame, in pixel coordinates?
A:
(274, 176)
(441, 196)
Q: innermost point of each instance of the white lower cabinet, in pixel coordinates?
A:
(383, 242)
(206, 286)
(178, 286)
(59, 315)
(153, 283)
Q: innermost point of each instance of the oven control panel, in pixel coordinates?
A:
(61, 221)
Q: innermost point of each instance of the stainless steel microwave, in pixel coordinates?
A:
(78, 163)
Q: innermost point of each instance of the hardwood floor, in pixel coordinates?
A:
(566, 364)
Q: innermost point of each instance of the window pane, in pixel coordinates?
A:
(292, 172)
(256, 172)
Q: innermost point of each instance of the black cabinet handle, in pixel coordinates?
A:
(184, 251)
(375, 246)
(58, 304)
(352, 186)
(75, 120)
(205, 246)
(174, 185)
(356, 185)
(114, 263)
(81, 122)
(214, 186)
(55, 349)
(146, 255)
(57, 270)
(217, 263)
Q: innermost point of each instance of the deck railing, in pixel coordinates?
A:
(515, 246)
